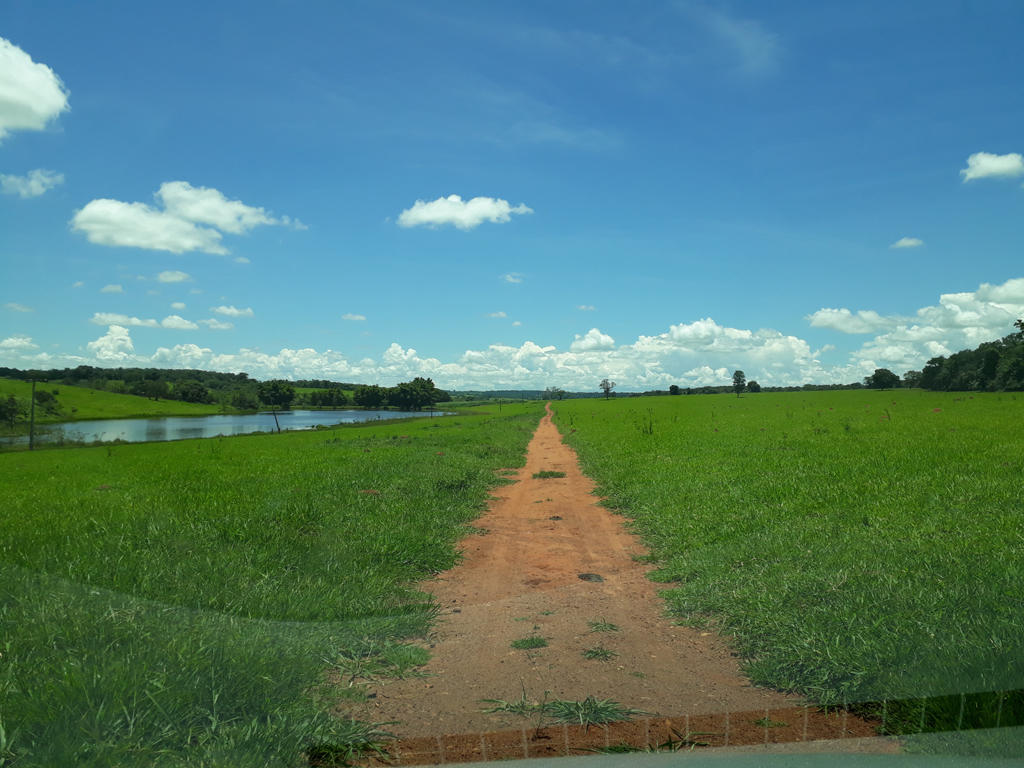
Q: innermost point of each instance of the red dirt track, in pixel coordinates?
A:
(520, 578)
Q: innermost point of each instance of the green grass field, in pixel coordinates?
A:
(173, 603)
(862, 546)
(82, 404)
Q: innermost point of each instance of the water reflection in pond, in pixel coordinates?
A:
(185, 427)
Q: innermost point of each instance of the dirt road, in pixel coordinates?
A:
(521, 578)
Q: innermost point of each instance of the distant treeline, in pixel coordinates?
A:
(994, 365)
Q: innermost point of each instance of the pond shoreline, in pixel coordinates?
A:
(184, 427)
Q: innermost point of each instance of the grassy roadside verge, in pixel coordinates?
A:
(860, 546)
(174, 603)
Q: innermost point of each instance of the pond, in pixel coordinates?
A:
(185, 427)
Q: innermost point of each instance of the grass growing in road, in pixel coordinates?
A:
(600, 625)
(529, 643)
(208, 601)
(590, 711)
(860, 545)
(547, 474)
(599, 653)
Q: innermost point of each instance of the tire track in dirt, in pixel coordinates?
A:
(519, 578)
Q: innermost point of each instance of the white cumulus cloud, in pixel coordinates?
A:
(232, 312)
(497, 314)
(111, 289)
(178, 323)
(173, 276)
(907, 242)
(516, 324)
(115, 346)
(18, 341)
(176, 227)
(984, 164)
(33, 185)
(465, 215)
(178, 305)
(591, 340)
(31, 94)
(350, 316)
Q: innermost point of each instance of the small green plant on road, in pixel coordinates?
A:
(529, 643)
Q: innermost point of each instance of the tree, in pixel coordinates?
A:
(753, 386)
(12, 409)
(153, 389)
(276, 394)
(191, 391)
(371, 396)
(607, 387)
(414, 395)
(244, 400)
(882, 378)
(554, 393)
(739, 381)
(912, 379)
(674, 389)
(48, 402)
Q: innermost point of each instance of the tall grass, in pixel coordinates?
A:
(185, 602)
(861, 546)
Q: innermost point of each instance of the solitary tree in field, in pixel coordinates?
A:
(739, 381)
(753, 386)
(607, 387)
(882, 378)
(276, 394)
(674, 389)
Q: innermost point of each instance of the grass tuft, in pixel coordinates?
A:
(529, 643)
(599, 653)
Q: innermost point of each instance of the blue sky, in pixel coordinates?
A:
(510, 195)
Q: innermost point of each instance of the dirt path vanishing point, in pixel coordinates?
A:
(521, 578)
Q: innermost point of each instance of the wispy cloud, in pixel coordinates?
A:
(512, 277)
(217, 325)
(232, 312)
(173, 322)
(757, 50)
(907, 242)
(173, 276)
(111, 289)
(178, 305)
(33, 185)
(497, 314)
(585, 308)
(15, 307)
(350, 316)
